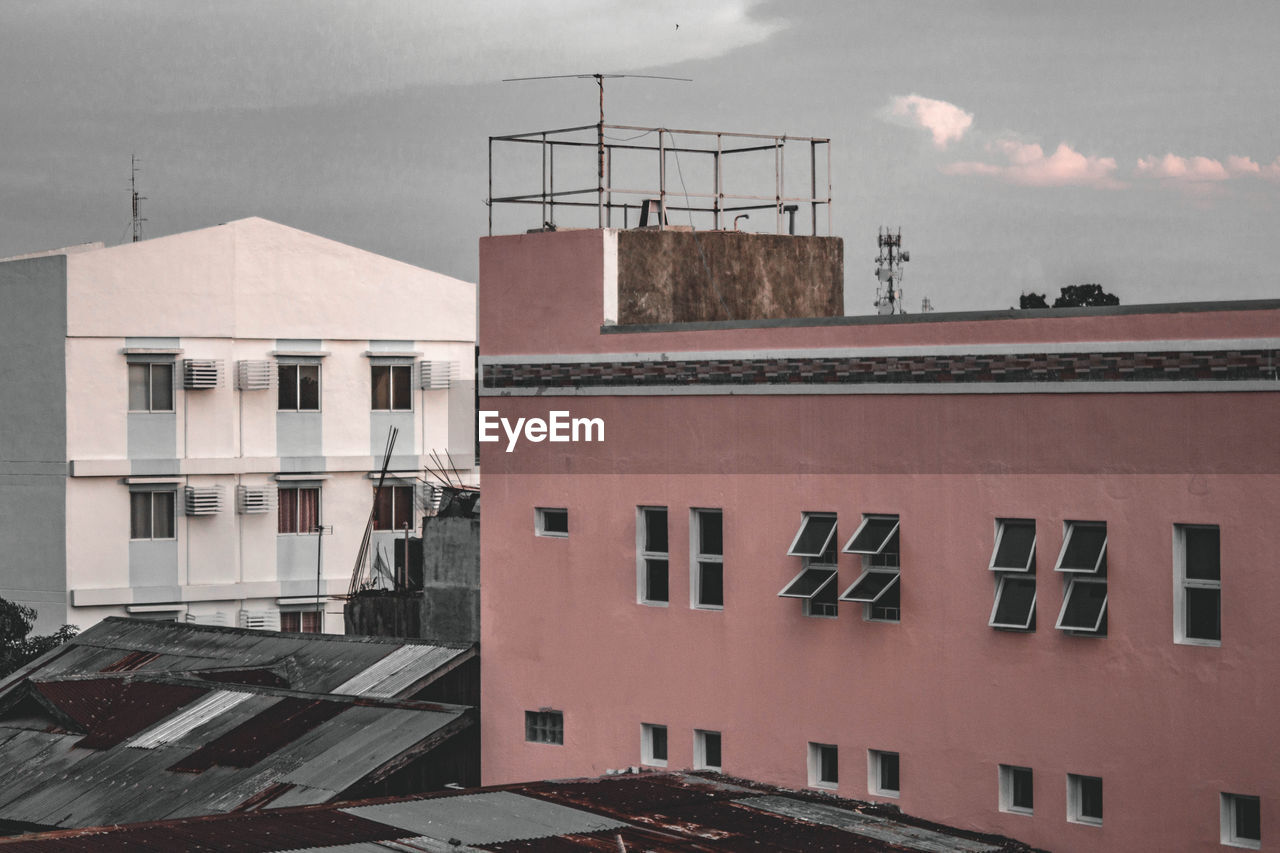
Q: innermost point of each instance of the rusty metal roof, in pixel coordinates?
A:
(661, 813)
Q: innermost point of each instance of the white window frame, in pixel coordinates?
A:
(816, 779)
(643, 556)
(874, 562)
(1228, 818)
(540, 522)
(697, 558)
(813, 565)
(297, 384)
(391, 367)
(172, 492)
(648, 744)
(875, 759)
(302, 613)
(1007, 787)
(1181, 583)
(700, 758)
(1075, 800)
(150, 364)
(296, 486)
(1006, 576)
(392, 486)
(1075, 578)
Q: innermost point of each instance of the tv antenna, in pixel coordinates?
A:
(133, 189)
(889, 272)
(599, 78)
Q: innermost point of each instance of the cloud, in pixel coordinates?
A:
(1242, 166)
(947, 122)
(1173, 167)
(1028, 165)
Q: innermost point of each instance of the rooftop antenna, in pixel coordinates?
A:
(889, 272)
(133, 188)
(599, 78)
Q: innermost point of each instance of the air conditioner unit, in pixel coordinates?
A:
(203, 500)
(252, 500)
(218, 618)
(263, 620)
(201, 373)
(255, 375)
(437, 374)
(429, 497)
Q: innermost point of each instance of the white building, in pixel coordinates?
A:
(177, 415)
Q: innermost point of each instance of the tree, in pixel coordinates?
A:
(1084, 295)
(17, 647)
(1032, 300)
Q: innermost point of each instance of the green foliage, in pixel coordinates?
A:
(1032, 300)
(17, 647)
(1072, 296)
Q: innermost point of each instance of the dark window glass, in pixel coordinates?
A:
(287, 389)
(711, 533)
(162, 515)
(711, 586)
(711, 749)
(655, 530)
(1091, 797)
(810, 582)
(823, 602)
(161, 387)
(1084, 606)
(555, 521)
(889, 771)
(1202, 553)
(384, 508)
(308, 387)
(1022, 788)
(1016, 607)
(381, 386)
(815, 532)
(401, 387)
(140, 515)
(139, 388)
(1017, 540)
(544, 726)
(1248, 813)
(1204, 620)
(888, 556)
(1084, 546)
(403, 499)
(830, 765)
(658, 735)
(871, 587)
(656, 580)
(873, 536)
(889, 607)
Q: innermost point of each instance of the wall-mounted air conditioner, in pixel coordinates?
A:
(203, 500)
(201, 373)
(255, 375)
(252, 500)
(437, 374)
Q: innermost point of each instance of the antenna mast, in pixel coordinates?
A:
(889, 272)
(133, 188)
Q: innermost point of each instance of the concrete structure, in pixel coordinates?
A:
(178, 413)
(1011, 571)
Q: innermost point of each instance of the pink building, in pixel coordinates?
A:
(1013, 571)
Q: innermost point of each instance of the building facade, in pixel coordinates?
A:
(1011, 571)
(183, 415)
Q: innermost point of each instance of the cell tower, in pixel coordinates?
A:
(133, 189)
(889, 272)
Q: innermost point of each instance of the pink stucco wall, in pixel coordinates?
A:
(1167, 726)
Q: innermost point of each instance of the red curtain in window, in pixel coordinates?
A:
(308, 510)
(382, 514)
(404, 507)
(287, 511)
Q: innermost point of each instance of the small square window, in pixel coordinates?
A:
(882, 773)
(1084, 799)
(300, 621)
(1084, 560)
(151, 515)
(392, 387)
(393, 508)
(544, 726)
(1016, 790)
(1015, 607)
(873, 535)
(1084, 548)
(551, 521)
(653, 745)
(652, 556)
(816, 537)
(151, 386)
(706, 750)
(707, 577)
(299, 387)
(1084, 607)
(824, 765)
(297, 509)
(1013, 560)
(1198, 590)
(1015, 548)
(1241, 820)
(878, 588)
(815, 544)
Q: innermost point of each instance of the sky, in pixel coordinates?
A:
(1019, 145)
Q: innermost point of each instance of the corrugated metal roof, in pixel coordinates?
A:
(256, 738)
(485, 818)
(112, 710)
(871, 826)
(181, 724)
(398, 671)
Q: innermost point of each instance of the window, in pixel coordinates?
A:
(878, 588)
(1013, 559)
(551, 521)
(706, 750)
(1241, 820)
(653, 745)
(392, 386)
(299, 387)
(1084, 799)
(707, 531)
(300, 621)
(297, 509)
(393, 508)
(1198, 593)
(652, 555)
(1016, 794)
(545, 726)
(882, 773)
(815, 545)
(151, 515)
(824, 765)
(151, 386)
(1083, 559)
